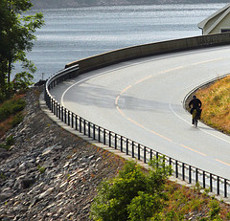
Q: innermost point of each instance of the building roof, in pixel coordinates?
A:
(219, 16)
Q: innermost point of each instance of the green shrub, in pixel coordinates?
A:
(18, 118)
(214, 210)
(144, 206)
(41, 169)
(121, 198)
(11, 107)
(228, 215)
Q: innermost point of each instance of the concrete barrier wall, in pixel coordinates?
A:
(139, 51)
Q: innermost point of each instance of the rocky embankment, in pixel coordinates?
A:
(49, 174)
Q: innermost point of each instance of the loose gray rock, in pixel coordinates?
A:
(49, 174)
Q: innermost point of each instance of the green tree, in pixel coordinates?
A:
(133, 194)
(16, 39)
(144, 206)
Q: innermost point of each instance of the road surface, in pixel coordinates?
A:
(142, 100)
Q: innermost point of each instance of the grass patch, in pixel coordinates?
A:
(41, 169)
(216, 104)
(184, 203)
(11, 107)
(8, 143)
(11, 113)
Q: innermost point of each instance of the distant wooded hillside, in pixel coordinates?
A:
(85, 3)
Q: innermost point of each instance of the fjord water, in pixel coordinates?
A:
(72, 34)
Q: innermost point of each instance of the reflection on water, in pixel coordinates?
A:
(72, 34)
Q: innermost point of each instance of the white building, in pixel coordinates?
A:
(218, 22)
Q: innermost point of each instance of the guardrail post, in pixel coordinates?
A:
(190, 174)
(127, 146)
(51, 106)
(170, 164)
(84, 126)
(89, 134)
(115, 140)
(176, 165)
(121, 144)
(62, 114)
(144, 154)
(59, 111)
(163, 163)
(225, 188)
(109, 138)
(104, 136)
(49, 102)
(132, 149)
(157, 159)
(218, 185)
(65, 115)
(54, 107)
(196, 175)
(80, 126)
(183, 173)
(68, 114)
(211, 183)
(57, 105)
(72, 119)
(204, 179)
(139, 151)
(151, 154)
(76, 127)
(99, 134)
(94, 136)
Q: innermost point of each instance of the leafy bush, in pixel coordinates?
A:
(18, 118)
(22, 81)
(144, 206)
(133, 194)
(214, 210)
(11, 107)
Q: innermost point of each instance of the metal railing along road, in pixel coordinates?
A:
(183, 171)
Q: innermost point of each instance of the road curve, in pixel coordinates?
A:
(142, 99)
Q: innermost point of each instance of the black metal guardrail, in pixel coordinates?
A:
(183, 171)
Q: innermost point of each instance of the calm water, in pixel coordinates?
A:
(72, 34)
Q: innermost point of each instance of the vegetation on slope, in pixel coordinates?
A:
(138, 195)
(17, 38)
(11, 113)
(216, 104)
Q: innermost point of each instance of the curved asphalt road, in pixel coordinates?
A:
(142, 100)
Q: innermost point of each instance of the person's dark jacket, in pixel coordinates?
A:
(195, 103)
